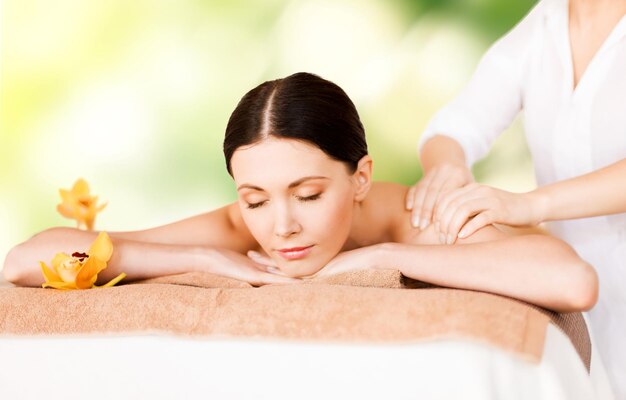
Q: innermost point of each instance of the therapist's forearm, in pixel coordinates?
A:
(601, 192)
(441, 149)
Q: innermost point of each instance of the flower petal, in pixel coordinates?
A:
(79, 205)
(88, 274)
(65, 210)
(60, 285)
(114, 280)
(58, 259)
(89, 221)
(102, 248)
(48, 274)
(67, 196)
(80, 188)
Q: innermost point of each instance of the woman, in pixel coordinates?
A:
(296, 150)
(564, 65)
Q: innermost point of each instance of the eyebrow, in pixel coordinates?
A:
(291, 185)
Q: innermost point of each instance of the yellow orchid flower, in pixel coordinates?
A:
(80, 270)
(78, 204)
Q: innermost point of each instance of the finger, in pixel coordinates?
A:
(418, 201)
(444, 209)
(453, 203)
(430, 197)
(261, 259)
(450, 185)
(479, 221)
(258, 266)
(275, 271)
(463, 213)
(447, 198)
(410, 198)
(440, 185)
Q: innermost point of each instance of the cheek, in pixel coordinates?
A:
(259, 224)
(328, 225)
(333, 221)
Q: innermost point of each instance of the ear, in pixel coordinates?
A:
(363, 178)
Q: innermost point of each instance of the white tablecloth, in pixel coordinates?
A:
(174, 367)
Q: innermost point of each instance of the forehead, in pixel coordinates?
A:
(281, 161)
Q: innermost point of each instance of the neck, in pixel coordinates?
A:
(584, 12)
(352, 242)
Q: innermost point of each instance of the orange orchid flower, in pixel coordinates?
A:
(80, 270)
(78, 204)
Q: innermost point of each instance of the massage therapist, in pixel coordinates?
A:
(564, 65)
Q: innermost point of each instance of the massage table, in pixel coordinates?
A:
(355, 335)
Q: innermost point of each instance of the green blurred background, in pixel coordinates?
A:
(134, 96)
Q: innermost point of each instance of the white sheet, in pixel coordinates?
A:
(172, 367)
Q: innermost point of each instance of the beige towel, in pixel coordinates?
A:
(358, 306)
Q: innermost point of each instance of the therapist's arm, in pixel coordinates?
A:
(462, 131)
(463, 211)
(442, 150)
(601, 192)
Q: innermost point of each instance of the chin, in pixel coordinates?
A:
(299, 269)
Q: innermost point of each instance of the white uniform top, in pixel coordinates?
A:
(569, 133)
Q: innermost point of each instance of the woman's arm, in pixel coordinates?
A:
(539, 269)
(223, 227)
(536, 268)
(212, 242)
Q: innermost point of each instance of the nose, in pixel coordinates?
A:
(285, 223)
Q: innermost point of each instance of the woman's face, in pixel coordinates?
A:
(296, 201)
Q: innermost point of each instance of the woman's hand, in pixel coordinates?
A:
(234, 265)
(463, 211)
(425, 194)
(361, 258)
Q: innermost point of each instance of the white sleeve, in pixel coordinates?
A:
(492, 97)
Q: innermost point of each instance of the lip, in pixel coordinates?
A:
(295, 253)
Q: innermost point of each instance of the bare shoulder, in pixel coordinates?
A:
(388, 199)
(223, 227)
(383, 212)
(384, 198)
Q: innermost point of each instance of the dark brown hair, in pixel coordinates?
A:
(301, 106)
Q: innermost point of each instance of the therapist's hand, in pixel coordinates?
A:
(463, 211)
(422, 197)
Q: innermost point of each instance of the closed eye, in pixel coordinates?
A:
(256, 205)
(307, 198)
(310, 198)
